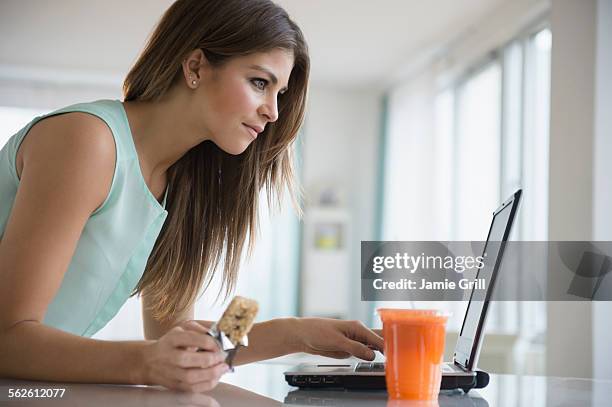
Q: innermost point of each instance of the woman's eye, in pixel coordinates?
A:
(259, 83)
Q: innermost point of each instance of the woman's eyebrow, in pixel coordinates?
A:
(273, 77)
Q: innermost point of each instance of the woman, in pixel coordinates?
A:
(105, 200)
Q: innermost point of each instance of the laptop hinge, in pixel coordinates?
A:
(460, 366)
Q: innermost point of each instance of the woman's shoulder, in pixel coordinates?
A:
(71, 134)
(77, 139)
(73, 124)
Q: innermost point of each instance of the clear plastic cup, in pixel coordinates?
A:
(414, 347)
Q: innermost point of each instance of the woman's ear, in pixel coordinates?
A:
(193, 66)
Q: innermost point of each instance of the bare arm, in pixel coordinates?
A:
(319, 336)
(282, 336)
(154, 329)
(68, 163)
(31, 350)
(269, 339)
(67, 170)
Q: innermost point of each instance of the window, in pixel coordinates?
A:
(476, 175)
(490, 137)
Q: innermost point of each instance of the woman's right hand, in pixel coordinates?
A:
(174, 362)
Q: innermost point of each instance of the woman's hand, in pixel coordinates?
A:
(174, 362)
(336, 338)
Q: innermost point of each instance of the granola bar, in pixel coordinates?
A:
(238, 318)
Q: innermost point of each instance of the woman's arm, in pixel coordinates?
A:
(268, 340)
(155, 329)
(319, 336)
(67, 170)
(31, 350)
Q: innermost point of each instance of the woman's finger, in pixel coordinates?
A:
(183, 338)
(191, 376)
(194, 325)
(187, 358)
(359, 332)
(194, 376)
(379, 332)
(357, 349)
(204, 386)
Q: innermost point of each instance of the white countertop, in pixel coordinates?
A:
(263, 384)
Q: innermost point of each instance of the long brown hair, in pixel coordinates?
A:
(213, 196)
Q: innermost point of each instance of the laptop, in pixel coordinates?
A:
(462, 372)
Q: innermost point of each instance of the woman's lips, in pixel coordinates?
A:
(252, 131)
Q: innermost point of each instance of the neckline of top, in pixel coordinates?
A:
(132, 144)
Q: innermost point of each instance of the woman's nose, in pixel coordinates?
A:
(270, 110)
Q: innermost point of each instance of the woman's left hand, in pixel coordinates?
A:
(335, 338)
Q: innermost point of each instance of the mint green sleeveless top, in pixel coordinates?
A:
(117, 239)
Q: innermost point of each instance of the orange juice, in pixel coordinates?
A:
(414, 346)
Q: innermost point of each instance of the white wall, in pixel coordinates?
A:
(578, 337)
(341, 148)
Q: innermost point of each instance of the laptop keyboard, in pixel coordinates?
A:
(370, 367)
(380, 367)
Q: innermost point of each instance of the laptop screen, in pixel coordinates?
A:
(470, 337)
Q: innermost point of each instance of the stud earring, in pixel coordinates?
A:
(193, 82)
